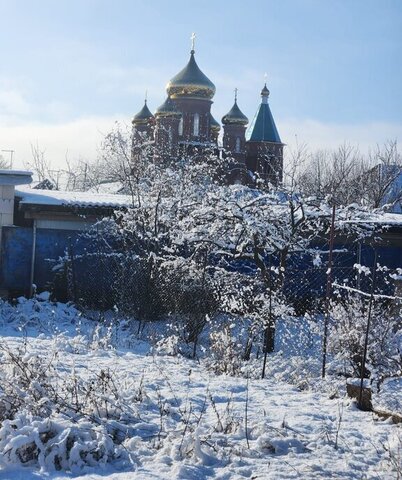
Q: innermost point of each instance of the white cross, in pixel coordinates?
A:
(192, 38)
(265, 78)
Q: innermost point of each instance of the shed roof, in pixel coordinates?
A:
(29, 196)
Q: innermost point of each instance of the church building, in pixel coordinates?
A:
(184, 122)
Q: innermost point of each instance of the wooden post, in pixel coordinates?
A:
(33, 255)
(268, 329)
(328, 293)
(73, 277)
(363, 365)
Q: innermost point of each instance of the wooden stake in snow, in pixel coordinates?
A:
(268, 328)
(363, 365)
(328, 292)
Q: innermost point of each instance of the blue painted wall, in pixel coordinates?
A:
(16, 251)
(16, 254)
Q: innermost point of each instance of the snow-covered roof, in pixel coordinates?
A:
(15, 177)
(31, 196)
(392, 218)
(107, 188)
(15, 172)
(382, 218)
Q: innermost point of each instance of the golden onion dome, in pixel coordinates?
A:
(235, 116)
(167, 109)
(143, 116)
(191, 82)
(213, 123)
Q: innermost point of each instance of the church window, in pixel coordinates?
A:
(238, 145)
(196, 126)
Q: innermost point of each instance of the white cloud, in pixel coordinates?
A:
(13, 103)
(77, 139)
(16, 107)
(82, 137)
(132, 81)
(331, 135)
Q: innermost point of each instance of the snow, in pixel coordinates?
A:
(31, 196)
(357, 382)
(397, 275)
(362, 269)
(391, 401)
(185, 422)
(380, 218)
(317, 261)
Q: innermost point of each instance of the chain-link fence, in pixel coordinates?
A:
(148, 288)
(188, 293)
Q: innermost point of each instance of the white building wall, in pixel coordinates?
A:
(63, 224)
(6, 205)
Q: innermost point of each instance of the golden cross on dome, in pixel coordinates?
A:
(192, 38)
(235, 91)
(265, 78)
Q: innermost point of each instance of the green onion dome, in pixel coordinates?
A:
(265, 91)
(167, 109)
(191, 82)
(213, 123)
(143, 116)
(235, 116)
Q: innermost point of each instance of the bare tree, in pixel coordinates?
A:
(347, 176)
(4, 165)
(331, 173)
(39, 164)
(295, 162)
(78, 175)
(381, 182)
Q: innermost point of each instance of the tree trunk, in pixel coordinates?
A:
(247, 350)
(269, 339)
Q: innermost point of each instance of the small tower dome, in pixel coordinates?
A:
(167, 109)
(213, 123)
(235, 116)
(265, 91)
(143, 117)
(265, 94)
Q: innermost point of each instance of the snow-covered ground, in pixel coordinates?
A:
(170, 417)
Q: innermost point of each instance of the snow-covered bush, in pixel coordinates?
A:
(225, 351)
(57, 443)
(169, 345)
(59, 422)
(349, 316)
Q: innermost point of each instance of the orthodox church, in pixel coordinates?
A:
(184, 122)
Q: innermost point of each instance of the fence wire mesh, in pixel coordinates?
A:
(146, 288)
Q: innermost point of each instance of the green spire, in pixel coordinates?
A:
(263, 128)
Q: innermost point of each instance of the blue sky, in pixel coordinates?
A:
(70, 68)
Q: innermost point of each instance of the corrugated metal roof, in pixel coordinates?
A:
(73, 199)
